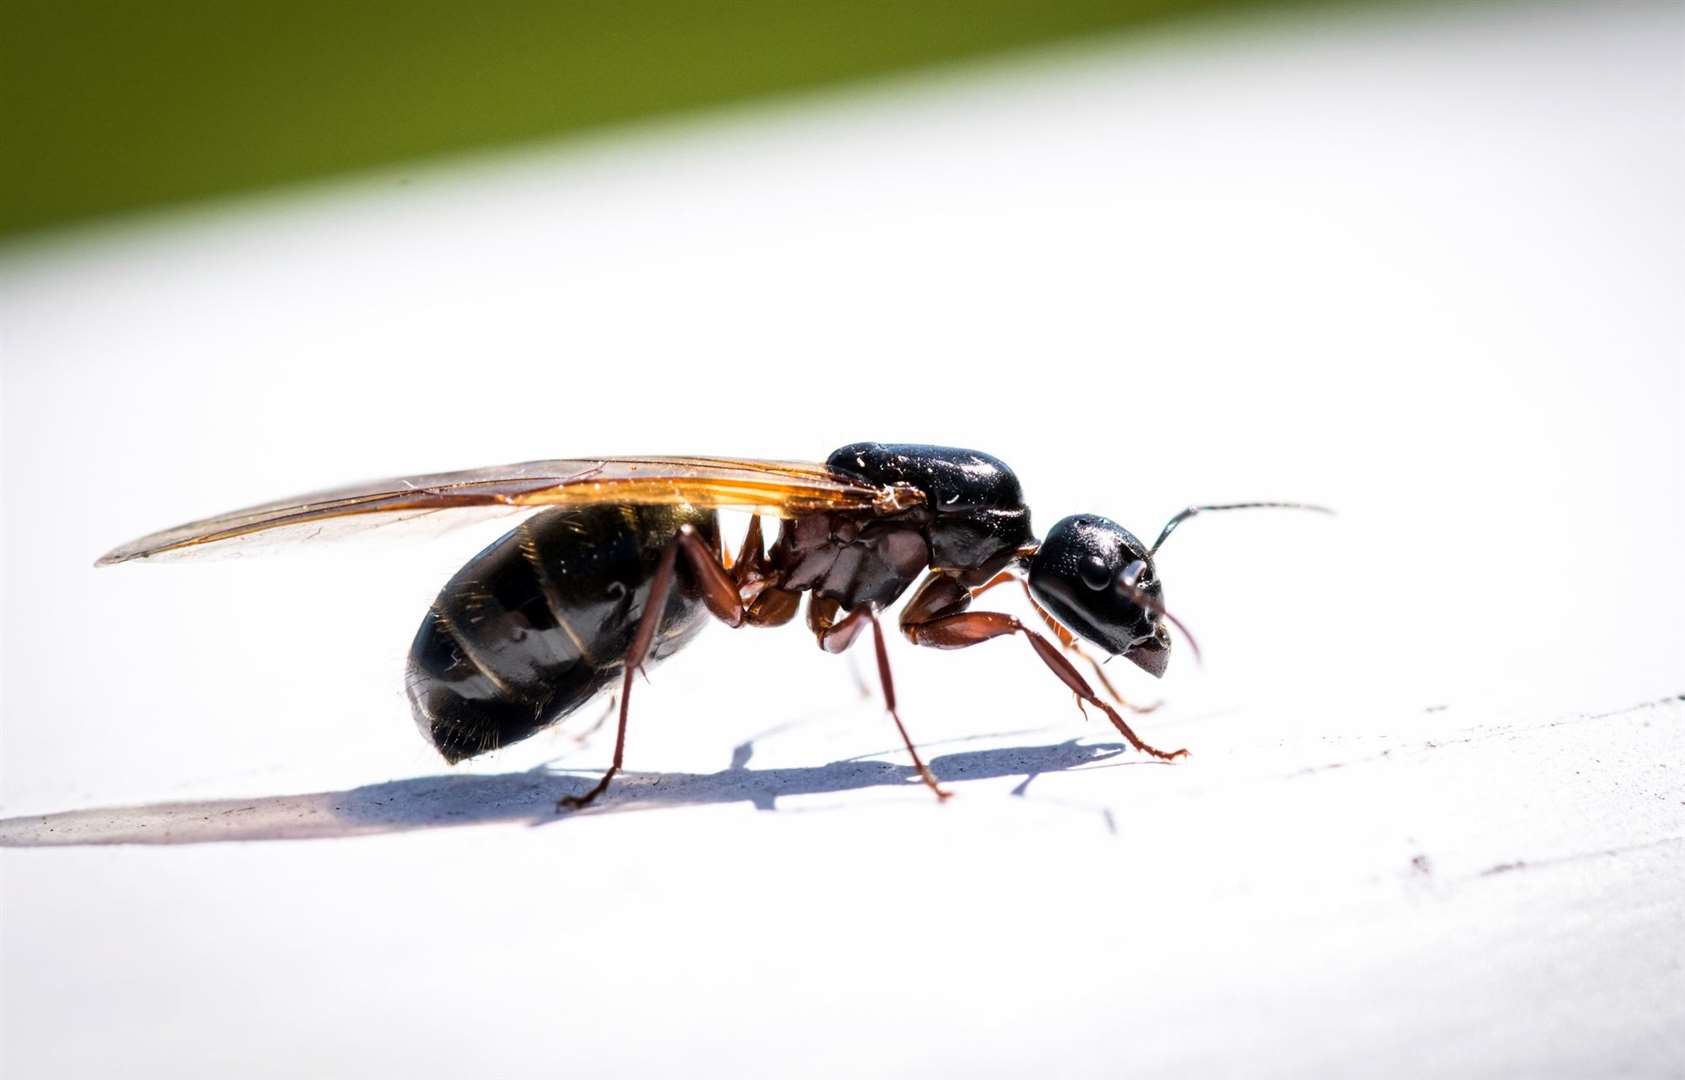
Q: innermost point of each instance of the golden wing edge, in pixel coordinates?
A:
(778, 488)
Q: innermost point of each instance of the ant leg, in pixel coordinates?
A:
(750, 554)
(718, 594)
(964, 629)
(889, 702)
(940, 594)
(1069, 641)
(1005, 577)
(835, 637)
(753, 575)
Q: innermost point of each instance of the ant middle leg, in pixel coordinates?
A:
(835, 636)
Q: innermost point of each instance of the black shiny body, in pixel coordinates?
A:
(539, 622)
(972, 523)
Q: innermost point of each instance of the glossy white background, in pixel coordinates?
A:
(1427, 268)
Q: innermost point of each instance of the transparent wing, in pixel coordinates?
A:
(780, 488)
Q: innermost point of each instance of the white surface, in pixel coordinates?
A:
(1427, 270)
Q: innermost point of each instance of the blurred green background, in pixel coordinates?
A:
(111, 107)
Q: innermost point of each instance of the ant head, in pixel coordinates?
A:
(1094, 576)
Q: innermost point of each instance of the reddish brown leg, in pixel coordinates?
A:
(774, 607)
(764, 604)
(1069, 641)
(718, 593)
(962, 630)
(941, 594)
(750, 554)
(834, 637)
(889, 703)
(1005, 577)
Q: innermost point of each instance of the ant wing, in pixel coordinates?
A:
(779, 488)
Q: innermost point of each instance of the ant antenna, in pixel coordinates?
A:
(1170, 526)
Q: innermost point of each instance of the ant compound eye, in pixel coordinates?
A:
(1094, 572)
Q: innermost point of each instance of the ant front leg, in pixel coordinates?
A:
(719, 595)
(835, 636)
(1066, 638)
(937, 618)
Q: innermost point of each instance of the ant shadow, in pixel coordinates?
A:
(428, 802)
